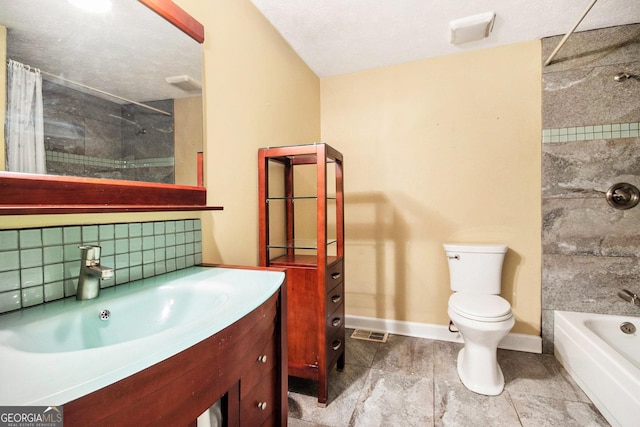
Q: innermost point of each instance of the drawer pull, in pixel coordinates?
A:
(336, 344)
(336, 321)
(262, 406)
(336, 275)
(262, 358)
(336, 298)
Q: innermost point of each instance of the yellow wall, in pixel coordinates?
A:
(439, 150)
(258, 93)
(188, 125)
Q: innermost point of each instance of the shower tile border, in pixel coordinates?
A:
(69, 158)
(590, 133)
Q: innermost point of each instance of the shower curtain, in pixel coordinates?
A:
(24, 133)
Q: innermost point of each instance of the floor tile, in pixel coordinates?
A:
(294, 422)
(344, 391)
(394, 399)
(408, 355)
(445, 360)
(535, 411)
(414, 382)
(455, 405)
(532, 374)
(361, 352)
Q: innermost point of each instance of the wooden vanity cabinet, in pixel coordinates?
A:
(245, 364)
(257, 400)
(301, 228)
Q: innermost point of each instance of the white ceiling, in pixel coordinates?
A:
(343, 36)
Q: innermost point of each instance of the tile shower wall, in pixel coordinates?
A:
(590, 141)
(42, 264)
(90, 136)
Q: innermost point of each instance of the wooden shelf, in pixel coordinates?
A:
(69, 209)
(300, 261)
(31, 194)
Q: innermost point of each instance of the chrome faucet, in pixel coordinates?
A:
(627, 295)
(91, 272)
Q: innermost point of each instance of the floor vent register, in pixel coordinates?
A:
(360, 334)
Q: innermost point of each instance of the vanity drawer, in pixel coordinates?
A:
(263, 364)
(335, 275)
(335, 298)
(257, 407)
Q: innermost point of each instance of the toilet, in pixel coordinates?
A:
(481, 316)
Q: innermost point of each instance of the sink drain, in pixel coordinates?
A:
(628, 328)
(104, 314)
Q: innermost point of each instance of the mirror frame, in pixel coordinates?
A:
(22, 194)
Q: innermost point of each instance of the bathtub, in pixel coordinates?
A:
(604, 361)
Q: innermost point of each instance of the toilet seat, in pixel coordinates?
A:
(480, 307)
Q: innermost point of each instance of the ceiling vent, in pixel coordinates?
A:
(185, 83)
(472, 28)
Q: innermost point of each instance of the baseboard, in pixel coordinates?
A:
(513, 341)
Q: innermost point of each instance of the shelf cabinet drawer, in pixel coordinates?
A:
(263, 363)
(335, 297)
(335, 321)
(335, 346)
(335, 275)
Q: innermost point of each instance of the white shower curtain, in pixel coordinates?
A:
(24, 131)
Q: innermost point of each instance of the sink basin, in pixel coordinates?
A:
(118, 318)
(59, 351)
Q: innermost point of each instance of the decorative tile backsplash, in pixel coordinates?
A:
(39, 265)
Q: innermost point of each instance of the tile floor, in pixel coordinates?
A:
(413, 382)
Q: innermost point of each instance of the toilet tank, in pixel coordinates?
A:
(475, 268)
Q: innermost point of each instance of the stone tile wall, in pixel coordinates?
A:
(590, 141)
(93, 137)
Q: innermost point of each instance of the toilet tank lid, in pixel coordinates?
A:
(475, 248)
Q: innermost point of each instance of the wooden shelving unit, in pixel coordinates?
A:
(301, 227)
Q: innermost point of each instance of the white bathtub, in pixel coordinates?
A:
(604, 361)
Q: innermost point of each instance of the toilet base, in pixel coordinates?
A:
(480, 373)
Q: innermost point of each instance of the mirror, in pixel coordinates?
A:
(23, 193)
(121, 89)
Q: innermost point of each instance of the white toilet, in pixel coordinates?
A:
(480, 314)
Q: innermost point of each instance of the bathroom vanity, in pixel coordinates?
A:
(239, 364)
(173, 346)
(244, 364)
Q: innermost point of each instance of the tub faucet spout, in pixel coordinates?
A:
(627, 295)
(91, 272)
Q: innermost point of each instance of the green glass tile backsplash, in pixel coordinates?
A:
(38, 265)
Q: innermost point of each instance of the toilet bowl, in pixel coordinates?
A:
(482, 317)
(481, 330)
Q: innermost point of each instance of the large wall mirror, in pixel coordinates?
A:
(121, 100)
(121, 92)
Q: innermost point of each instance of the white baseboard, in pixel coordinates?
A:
(518, 342)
